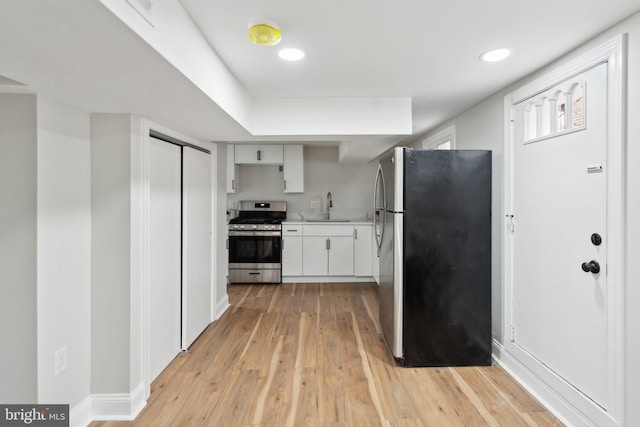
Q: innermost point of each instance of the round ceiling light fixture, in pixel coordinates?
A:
(264, 34)
(291, 54)
(495, 55)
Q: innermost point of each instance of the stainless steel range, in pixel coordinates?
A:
(255, 242)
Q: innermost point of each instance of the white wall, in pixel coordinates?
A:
(482, 127)
(64, 248)
(110, 252)
(220, 298)
(351, 185)
(171, 31)
(18, 364)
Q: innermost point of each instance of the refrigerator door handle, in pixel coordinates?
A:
(379, 183)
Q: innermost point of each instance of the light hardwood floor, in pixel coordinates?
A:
(313, 355)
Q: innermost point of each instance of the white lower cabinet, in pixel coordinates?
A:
(326, 250)
(340, 256)
(315, 256)
(327, 256)
(292, 250)
(362, 260)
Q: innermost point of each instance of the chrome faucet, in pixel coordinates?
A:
(329, 205)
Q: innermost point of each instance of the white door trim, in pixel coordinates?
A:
(613, 53)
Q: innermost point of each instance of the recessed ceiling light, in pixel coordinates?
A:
(291, 54)
(495, 55)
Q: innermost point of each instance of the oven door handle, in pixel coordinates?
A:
(254, 233)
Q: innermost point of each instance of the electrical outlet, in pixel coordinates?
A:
(313, 204)
(60, 361)
(229, 204)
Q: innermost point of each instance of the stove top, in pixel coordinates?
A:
(255, 220)
(259, 216)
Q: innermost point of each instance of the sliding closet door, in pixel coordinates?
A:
(196, 244)
(165, 217)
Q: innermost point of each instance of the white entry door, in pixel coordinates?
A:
(559, 240)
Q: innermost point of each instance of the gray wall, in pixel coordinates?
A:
(18, 256)
(351, 185)
(64, 251)
(110, 252)
(482, 127)
(221, 262)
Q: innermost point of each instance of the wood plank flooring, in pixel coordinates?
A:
(313, 355)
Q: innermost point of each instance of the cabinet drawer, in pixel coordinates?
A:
(328, 230)
(291, 230)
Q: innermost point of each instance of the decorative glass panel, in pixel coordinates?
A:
(561, 112)
(577, 107)
(545, 118)
(555, 112)
(531, 121)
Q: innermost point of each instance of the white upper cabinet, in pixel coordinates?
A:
(293, 169)
(259, 154)
(233, 171)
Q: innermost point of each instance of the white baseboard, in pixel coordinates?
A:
(118, 407)
(80, 415)
(550, 397)
(326, 279)
(221, 306)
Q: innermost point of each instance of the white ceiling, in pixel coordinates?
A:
(424, 49)
(81, 53)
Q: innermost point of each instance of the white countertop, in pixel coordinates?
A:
(332, 222)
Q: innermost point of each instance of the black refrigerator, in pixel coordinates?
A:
(433, 232)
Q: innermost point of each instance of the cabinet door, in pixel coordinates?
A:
(270, 154)
(341, 256)
(246, 154)
(293, 169)
(363, 262)
(292, 256)
(315, 256)
(232, 170)
(259, 154)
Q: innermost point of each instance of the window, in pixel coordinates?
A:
(531, 122)
(577, 107)
(545, 117)
(561, 112)
(550, 114)
(444, 139)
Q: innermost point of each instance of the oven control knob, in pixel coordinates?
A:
(255, 226)
(242, 226)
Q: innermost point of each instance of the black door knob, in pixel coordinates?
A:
(591, 267)
(596, 239)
